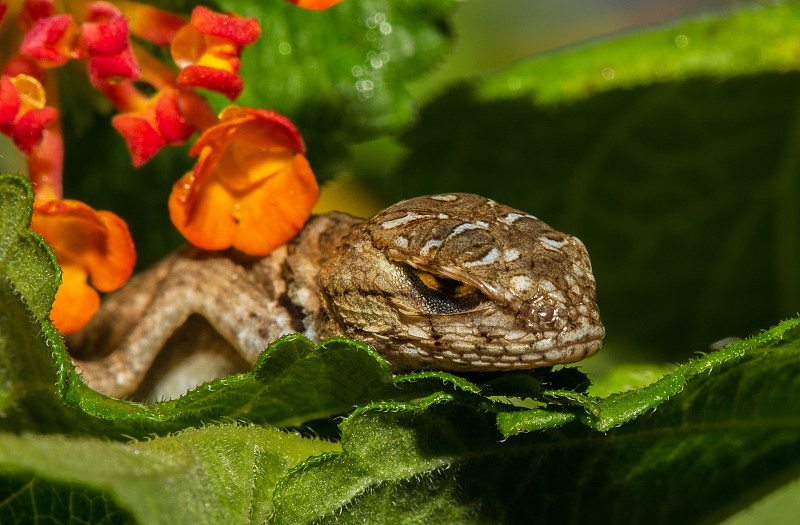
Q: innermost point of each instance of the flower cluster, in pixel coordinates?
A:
(251, 188)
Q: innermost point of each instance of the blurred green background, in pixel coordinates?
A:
(668, 149)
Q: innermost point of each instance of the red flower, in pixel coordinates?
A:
(50, 41)
(208, 49)
(153, 125)
(23, 115)
(106, 36)
(89, 244)
(33, 10)
(251, 188)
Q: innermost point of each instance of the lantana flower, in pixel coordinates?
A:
(23, 114)
(50, 41)
(89, 244)
(208, 51)
(157, 122)
(252, 188)
(106, 37)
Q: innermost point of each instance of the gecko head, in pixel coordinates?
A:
(459, 282)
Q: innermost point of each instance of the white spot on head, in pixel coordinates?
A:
(550, 244)
(489, 258)
(443, 216)
(521, 284)
(443, 197)
(401, 242)
(428, 245)
(511, 255)
(510, 218)
(461, 229)
(408, 217)
(547, 286)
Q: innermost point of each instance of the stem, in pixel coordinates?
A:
(46, 159)
(46, 164)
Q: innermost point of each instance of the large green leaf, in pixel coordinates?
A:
(650, 144)
(222, 474)
(702, 441)
(436, 446)
(672, 153)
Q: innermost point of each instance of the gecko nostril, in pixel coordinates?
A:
(547, 313)
(539, 313)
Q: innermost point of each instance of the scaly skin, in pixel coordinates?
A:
(449, 282)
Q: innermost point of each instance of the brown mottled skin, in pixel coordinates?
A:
(449, 282)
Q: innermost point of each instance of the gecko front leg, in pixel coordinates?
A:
(240, 299)
(197, 315)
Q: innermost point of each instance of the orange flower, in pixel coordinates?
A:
(207, 51)
(314, 4)
(88, 244)
(251, 188)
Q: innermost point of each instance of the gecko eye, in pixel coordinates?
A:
(439, 295)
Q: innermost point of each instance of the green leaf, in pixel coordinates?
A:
(725, 423)
(671, 152)
(25, 259)
(213, 475)
(30, 369)
(340, 74)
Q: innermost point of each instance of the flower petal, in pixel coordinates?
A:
(141, 137)
(28, 129)
(50, 40)
(88, 243)
(76, 302)
(170, 122)
(251, 187)
(158, 122)
(208, 51)
(106, 36)
(243, 31)
(33, 10)
(9, 102)
(215, 79)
